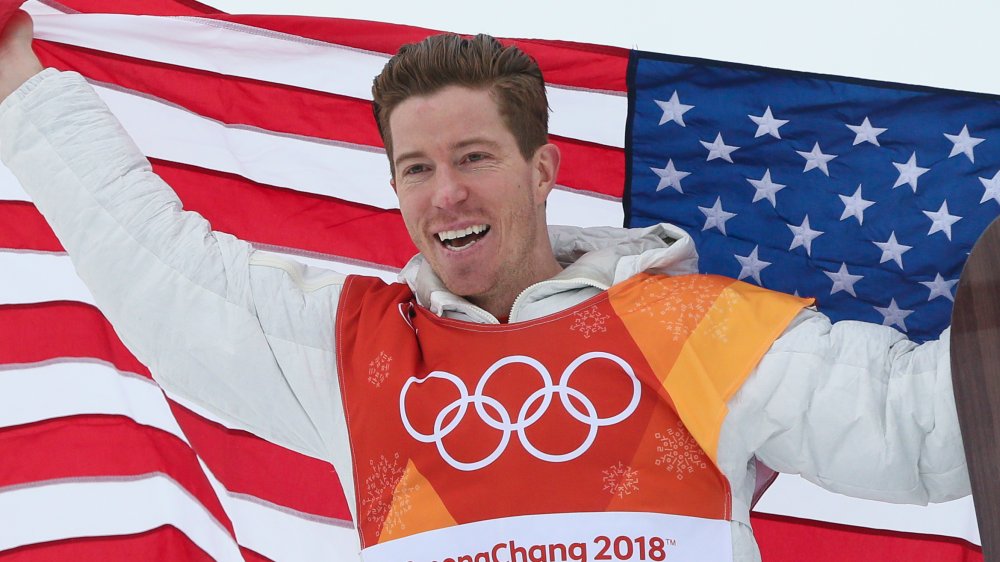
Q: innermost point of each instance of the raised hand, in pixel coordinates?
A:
(17, 61)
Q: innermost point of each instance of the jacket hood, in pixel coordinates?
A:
(593, 260)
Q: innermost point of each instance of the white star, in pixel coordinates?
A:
(892, 314)
(715, 217)
(941, 221)
(767, 188)
(855, 205)
(751, 266)
(670, 176)
(767, 124)
(991, 188)
(892, 250)
(816, 159)
(673, 110)
(909, 172)
(843, 280)
(866, 133)
(719, 149)
(803, 235)
(939, 287)
(964, 143)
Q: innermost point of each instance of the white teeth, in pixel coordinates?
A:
(453, 234)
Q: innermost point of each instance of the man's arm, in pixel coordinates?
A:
(243, 340)
(856, 408)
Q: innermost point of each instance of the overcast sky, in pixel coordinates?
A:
(953, 44)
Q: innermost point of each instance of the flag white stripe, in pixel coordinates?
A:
(31, 277)
(71, 387)
(585, 115)
(34, 277)
(793, 496)
(570, 207)
(56, 389)
(65, 509)
(260, 54)
(10, 188)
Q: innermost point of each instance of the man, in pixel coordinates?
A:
(513, 400)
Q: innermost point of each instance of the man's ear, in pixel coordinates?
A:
(546, 166)
(392, 182)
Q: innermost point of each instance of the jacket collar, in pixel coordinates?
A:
(593, 258)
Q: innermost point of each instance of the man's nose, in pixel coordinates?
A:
(450, 188)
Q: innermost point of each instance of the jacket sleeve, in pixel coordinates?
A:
(855, 408)
(189, 302)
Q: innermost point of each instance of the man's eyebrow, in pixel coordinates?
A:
(476, 140)
(407, 156)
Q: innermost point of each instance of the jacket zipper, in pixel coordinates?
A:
(580, 280)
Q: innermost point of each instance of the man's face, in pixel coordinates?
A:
(472, 204)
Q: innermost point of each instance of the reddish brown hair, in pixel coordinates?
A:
(511, 76)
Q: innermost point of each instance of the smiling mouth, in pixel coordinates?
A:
(462, 239)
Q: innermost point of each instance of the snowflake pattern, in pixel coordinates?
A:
(681, 454)
(621, 480)
(681, 304)
(378, 369)
(382, 489)
(589, 321)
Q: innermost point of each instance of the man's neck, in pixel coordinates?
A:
(500, 302)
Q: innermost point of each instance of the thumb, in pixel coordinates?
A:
(7, 9)
(16, 28)
(17, 60)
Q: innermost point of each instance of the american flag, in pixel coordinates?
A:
(263, 125)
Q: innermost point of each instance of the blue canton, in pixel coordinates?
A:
(866, 196)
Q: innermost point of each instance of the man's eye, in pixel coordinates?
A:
(476, 157)
(415, 169)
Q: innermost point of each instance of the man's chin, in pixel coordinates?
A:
(473, 289)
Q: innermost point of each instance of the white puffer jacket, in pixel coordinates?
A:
(249, 335)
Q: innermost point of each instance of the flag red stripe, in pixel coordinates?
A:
(42, 331)
(283, 217)
(586, 166)
(591, 167)
(243, 462)
(251, 556)
(23, 228)
(102, 446)
(161, 543)
(254, 212)
(785, 539)
(238, 458)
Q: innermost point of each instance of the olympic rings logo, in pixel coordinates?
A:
(496, 415)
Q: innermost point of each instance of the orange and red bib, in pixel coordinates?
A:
(589, 434)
